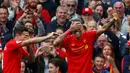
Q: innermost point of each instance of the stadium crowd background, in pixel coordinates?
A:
(64, 36)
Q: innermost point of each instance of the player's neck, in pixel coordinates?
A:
(17, 38)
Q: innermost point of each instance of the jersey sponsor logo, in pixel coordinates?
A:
(84, 47)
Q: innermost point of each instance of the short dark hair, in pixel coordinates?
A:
(101, 56)
(60, 28)
(19, 30)
(61, 63)
(55, 61)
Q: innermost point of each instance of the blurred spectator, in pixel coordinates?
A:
(49, 5)
(98, 13)
(59, 31)
(45, 53)
(87, 15)
(92, 25)
(59, 49)
(55, 65)
(92, 4)
(119, 8)
(116, 30)
(34, 7)
(127, 7)
(105, 6)
(109, 62)
(13, 9)
(6, 26)
(109, 13)
(24, 68)
(101, 42)
(99, 62)
(27, 18)
(61, 21)
(6, 3)
(72, 7)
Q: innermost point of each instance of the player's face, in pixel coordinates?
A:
(25, 35)
(78, 32)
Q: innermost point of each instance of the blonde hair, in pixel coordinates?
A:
(92, 22)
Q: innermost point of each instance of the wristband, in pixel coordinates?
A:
(67, 32)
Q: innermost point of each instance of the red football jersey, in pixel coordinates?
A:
(79, 52)
(12, 57)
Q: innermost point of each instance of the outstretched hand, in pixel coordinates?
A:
(52, 35)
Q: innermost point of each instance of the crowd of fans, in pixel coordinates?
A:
(64, 36)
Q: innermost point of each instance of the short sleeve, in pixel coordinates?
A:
(92, 34)
(24, 52)
(66, 42)
(12, 45)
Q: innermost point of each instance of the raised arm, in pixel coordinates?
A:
(60, 38)
(109, 24)
(20, 20)
(41, 29)
(36, 40)
(105, 27)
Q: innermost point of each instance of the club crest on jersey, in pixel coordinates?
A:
(84, 41)
(18, 41)
(86, 46)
